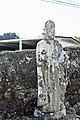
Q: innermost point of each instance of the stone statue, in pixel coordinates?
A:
(52, 62)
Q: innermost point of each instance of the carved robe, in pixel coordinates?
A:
(51, 64)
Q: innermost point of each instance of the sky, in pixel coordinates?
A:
(27, 18)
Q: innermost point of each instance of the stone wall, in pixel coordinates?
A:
(18, 84)
(73, 88)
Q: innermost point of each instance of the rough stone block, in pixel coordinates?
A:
(18, 83)
(73, 88)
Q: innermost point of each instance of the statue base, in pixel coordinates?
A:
(49, 115)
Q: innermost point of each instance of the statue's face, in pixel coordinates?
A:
(49, 30)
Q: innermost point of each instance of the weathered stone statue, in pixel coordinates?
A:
(52, 62)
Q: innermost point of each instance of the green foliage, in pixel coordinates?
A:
(9, 35)
(77, 38)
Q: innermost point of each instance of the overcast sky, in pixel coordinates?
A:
(27, 18)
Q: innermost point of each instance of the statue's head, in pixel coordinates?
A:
(49, 30)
